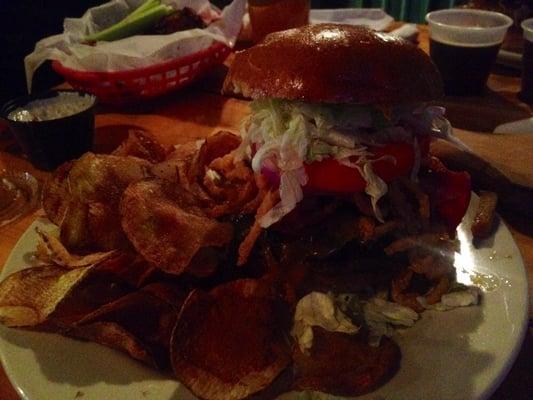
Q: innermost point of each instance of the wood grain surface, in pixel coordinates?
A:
(199, 110)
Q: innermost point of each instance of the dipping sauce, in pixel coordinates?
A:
(52, 127)
(63, 105)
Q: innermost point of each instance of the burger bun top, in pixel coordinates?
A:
(330, 63)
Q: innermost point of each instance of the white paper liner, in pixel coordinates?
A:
(136, 51)
(374, 18)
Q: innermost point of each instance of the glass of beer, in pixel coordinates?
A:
(526, 94)
(267, 16)
(464, 44)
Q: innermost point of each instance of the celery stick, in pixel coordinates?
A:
(132, 26)
(142, 8)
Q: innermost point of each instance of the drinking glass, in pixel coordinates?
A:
(267, 16)
(464, 44)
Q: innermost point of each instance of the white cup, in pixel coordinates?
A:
(464, 44)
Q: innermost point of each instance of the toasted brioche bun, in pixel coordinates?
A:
(331, 63)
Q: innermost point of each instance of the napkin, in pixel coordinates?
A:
(374, 18)
(522, 126)
(136, 51)
(497, 162)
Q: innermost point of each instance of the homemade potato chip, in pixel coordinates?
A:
(54, 297)
(138, 323)
(173, 294)
(231, 342)
(113, 335)
(175, 167)
(189, 165)
(215, 146)
(204, 263)
(103, 225)
(50, 250)
(29, 296)
(92, 227)
(128, 267)
(141, 144)
(95, 184)
(103, 178)
(55, 195)
(344, 365)
(218, 145)
(74, 229)
(167, 226)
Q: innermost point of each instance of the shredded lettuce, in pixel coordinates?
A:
(318, 150)
(376, 188)
(379, 310)
(289, 134)
(319, 309)
(377, 314)
(381, 317)
(290, 190)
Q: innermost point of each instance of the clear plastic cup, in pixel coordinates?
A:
(526, 94)
(464, 44)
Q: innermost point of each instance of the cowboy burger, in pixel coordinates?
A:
(363, 223)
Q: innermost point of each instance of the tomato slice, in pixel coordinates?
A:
(449, 192)
(329, 176)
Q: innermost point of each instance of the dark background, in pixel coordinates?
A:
(24, 22)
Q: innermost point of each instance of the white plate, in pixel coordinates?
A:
(459, 354)
(520, 127)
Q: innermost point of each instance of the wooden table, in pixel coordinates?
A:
(197, 111)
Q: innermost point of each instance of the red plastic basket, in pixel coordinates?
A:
(134, 85)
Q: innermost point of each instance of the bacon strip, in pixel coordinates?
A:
(139, 324)
(344, 365)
